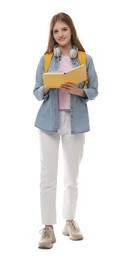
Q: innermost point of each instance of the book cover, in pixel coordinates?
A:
(56, 79)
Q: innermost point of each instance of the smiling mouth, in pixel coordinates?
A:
(61, 39)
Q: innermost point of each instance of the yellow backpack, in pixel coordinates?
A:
(81, 56)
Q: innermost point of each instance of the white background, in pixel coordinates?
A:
(105, 204)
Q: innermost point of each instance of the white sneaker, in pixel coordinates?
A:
(72, 230)
(47, 238)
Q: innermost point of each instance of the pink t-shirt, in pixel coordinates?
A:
(63, 95)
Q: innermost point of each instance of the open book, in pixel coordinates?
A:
(55, 79)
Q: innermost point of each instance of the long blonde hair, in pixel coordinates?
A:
(65, 18)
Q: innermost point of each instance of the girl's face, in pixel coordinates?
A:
(62, 34)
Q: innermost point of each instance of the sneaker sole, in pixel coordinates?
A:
(41, 247)
(76, 239)
(72, 238)
(46, 246)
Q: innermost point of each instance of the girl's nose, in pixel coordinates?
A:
(60, 33)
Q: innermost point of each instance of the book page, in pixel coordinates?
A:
(77, 75)
(53, 80)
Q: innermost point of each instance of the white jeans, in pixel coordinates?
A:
(72, 154)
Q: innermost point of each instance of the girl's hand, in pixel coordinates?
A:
(46, 90)
(73, 89)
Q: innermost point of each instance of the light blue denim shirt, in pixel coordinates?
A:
(47, 118)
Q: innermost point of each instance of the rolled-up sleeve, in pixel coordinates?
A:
(92, 89)
(39, 88)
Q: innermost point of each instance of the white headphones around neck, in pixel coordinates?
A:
(73, 52)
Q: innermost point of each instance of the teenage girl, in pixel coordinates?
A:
(63, 116)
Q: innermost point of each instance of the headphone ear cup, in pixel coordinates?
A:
(73, 53)
(57, 52)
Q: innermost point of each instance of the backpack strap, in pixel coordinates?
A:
(82, 59)
(47, 60)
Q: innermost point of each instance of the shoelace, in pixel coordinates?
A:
(74, 224)
(44, 232)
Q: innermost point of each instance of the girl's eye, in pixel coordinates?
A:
(64, 29)
(55, 31)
